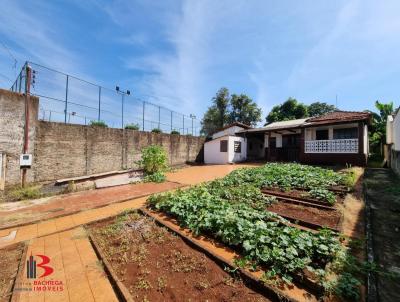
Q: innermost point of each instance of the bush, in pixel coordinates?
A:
(154, 159)
(20, 193)
(156, 130)
(132, 126)
(155, 177)
(175, 132)
(98, 124)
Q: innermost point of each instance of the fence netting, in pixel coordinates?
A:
(69, 99)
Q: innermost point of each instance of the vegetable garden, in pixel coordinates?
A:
(233, 210)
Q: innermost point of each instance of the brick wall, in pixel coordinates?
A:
(12, 124)
(65, 150)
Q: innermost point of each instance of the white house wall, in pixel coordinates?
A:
(366, 140)
(212, 154)
(396, 132)
(236, 157)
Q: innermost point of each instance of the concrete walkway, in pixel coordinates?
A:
(77, 271)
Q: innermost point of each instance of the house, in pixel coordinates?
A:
(339, 137)
(226, 146)
(393, 140)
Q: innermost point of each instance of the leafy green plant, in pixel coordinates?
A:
(98, 124)
(132, 126)
(154, 163)
(289, 176)
(175, 132)
(155, 177)
(323, 195)
(156, 130)
(262, 236)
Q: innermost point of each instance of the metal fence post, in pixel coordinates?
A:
(144, 104)
(66, 101)
(98, 116)
(123, 110)
(159, 116)
(183, 124)
(171, 121)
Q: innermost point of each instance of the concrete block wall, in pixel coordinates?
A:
(12, 129)
(66, 150)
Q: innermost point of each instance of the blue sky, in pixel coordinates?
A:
(182, 52)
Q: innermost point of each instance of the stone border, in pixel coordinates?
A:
(120, 289)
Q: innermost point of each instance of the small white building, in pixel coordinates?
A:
(393, 141)
(225, 146)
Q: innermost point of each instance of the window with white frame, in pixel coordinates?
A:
(345, 133)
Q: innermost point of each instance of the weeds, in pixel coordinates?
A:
(21, 193)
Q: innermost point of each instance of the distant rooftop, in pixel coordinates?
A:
(329, 118)
(279, 125)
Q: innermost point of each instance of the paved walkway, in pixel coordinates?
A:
(75, 264)
(72, 203)
(383, 196)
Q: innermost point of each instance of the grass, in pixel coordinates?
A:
(20, 193)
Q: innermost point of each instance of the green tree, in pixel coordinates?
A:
(244, 110)
(289, 110)
(320, 108)
(377, 133)
(217, 115)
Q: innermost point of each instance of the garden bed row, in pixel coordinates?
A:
(148, 261)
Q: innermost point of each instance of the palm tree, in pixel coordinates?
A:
(377, 134)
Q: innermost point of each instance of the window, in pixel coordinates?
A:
(223, 146)
(345, 133)
(321, 135)
(237, 147)
(290, 140)
(250, 145)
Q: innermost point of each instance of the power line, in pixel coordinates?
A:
(6, 77)
(12, 56)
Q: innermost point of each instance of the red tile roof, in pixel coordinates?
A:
(340, 116)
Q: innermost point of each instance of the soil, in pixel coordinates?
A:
(9, 261)
(156, 265)
(320, 217)
(299, 194)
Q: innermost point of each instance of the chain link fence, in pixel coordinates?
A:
(66, 98)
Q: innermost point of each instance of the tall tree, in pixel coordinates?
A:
(289, 110)
(244, 110)
(227, 109)
(217, 114)
(320, 108)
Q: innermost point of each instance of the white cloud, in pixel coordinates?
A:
(358, 48)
